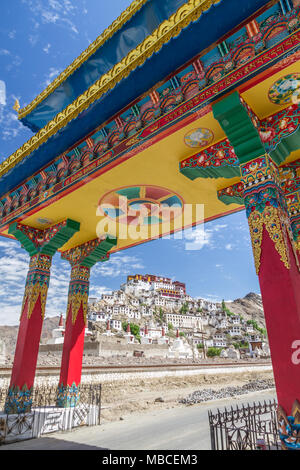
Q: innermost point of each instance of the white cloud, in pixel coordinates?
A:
(4, 52)
(10, 125)
(218, 227)
(2, 93)
(197, 238)
(46, 49)
(229, 247)
(12, 34)
(15, 62)
(33, 39)
(118, 265)
(53, 12)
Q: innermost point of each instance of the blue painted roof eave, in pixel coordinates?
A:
(173, 55)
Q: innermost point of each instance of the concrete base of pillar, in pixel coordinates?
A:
(18, 427)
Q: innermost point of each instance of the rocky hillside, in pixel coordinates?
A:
(8, 334)
(250, 308)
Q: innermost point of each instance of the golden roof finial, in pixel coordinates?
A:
(16, 106)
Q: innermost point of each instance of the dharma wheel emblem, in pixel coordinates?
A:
(141, 205)
(286, 90)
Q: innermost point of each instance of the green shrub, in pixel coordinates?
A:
(134, 329)
(212, 352)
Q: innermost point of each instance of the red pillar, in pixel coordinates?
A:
(280, 290)
(81, 258)
(71, 366)
(41, 246)
(23, 373)
(277, 267)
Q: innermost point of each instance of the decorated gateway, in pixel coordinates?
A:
(177, 104)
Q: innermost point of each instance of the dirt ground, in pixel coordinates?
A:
(120, 399)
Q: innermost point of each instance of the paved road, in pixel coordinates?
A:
(174, 429)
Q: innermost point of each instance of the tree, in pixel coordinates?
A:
(212, 352)
(226, 309)
(184, 308)
(262, 331)
(134, 329)
(161, 315)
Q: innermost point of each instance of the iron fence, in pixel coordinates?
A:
(45, 417)
(248, 427)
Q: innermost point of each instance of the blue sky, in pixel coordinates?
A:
(38, 40)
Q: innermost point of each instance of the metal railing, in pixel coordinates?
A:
(45, 417)
(248, 427)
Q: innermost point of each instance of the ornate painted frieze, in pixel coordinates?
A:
(82, 258)
(44, 241)
(277, 127)
(18, 400)
(194, 87)
(220, 160)
(41, 246)
(217, 161)
(289, 427)
(37, 283)
(81, 253)
(78, 292)
(290, 184)
(238, 50)
(266, 208)
(232, 194)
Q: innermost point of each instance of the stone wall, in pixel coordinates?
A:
(109, 347)
(2, 352)
(51, 378)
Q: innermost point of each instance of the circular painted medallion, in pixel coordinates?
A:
(141, 205)
(286, 90)
(198, 138)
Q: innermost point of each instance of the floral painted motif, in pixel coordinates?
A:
(67, 395)
(232, 194)
(37, 283)
(286, 90)
(199, 138)
(18, 400)
(82, 258)
(278, 126)
(78, 292)
(266, 207)
(216, 161)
